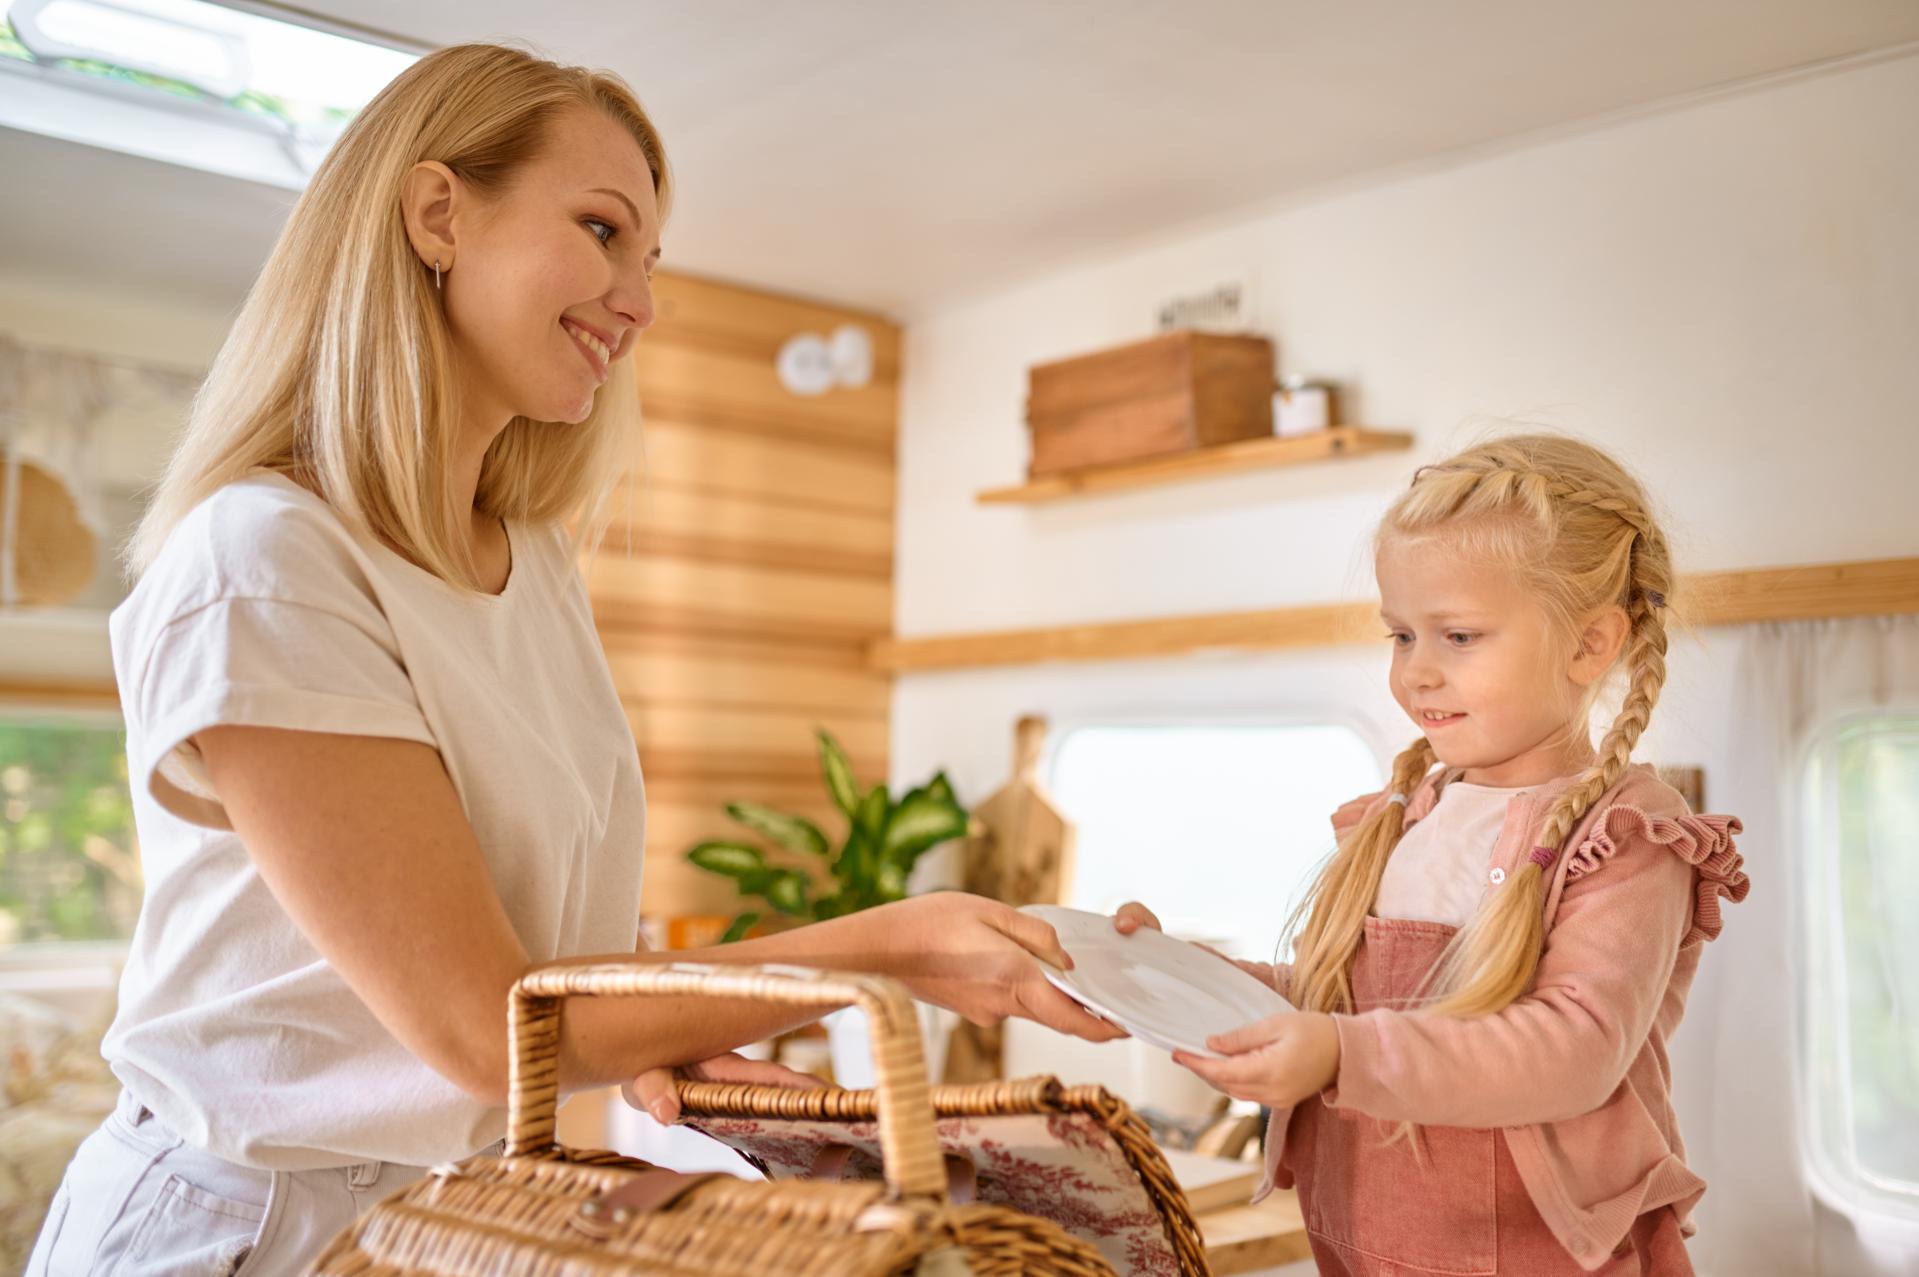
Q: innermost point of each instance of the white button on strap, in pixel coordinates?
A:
(1498, 876)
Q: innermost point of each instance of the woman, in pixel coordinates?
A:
(378, 763)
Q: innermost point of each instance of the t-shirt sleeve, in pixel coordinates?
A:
(256, 662)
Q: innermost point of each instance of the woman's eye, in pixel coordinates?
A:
(1396, 637)
(1462, 638)
(602, 231)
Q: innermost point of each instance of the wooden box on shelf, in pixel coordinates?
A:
(1172, 394)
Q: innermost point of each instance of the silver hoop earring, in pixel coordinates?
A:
(436, 274)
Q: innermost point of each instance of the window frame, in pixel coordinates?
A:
(1822, 1022)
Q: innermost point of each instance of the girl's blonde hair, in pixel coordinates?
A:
(1574, 525)
(338, 372)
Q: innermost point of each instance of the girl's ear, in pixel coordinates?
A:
(426, 204)
(1599, 645)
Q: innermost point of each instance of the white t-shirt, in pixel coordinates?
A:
(1442, 865)
(263, 610)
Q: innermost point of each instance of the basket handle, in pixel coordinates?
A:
(909, 1146)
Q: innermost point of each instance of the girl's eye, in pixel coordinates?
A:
(598, 227)
(1462, 635)
(1396, 637)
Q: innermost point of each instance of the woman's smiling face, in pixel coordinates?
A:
(1477, 666)
(553, 279)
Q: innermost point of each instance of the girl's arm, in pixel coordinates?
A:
(1560, 1050)
(363, 842)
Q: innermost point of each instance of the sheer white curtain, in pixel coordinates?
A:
(1739, 1055)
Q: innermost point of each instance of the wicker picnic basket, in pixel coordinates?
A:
(540, 1210)
(1077, 1156)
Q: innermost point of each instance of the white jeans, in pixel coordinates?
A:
(138, 1201)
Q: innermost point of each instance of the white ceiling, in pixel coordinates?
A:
(893, 153)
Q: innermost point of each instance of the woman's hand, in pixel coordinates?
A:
(656, 1091)
(980, 958)
(1278, 1061)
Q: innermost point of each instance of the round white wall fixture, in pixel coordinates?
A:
(805, 364)
(852, 355)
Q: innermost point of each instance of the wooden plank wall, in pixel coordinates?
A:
(748, 570)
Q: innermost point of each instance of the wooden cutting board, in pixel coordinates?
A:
(1020, 851)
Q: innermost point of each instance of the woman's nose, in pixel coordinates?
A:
(632, 301)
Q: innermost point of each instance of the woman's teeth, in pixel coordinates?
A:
(591, 342)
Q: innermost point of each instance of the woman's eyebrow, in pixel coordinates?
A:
(631, 207)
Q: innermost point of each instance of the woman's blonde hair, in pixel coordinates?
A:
(338, 372)
(1574, 526)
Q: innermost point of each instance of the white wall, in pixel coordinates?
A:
(1723, 293)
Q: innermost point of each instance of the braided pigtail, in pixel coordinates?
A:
(1328, 924)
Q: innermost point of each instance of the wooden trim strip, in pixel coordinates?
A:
(886, 366)
(1880, 587)
(824, 433)
(618, 619)
(22, 694)
(762, 647)
(673, 769)
(752, 554)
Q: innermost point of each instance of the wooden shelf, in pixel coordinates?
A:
(1227, 458)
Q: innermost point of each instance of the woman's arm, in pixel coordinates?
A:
(363, 841)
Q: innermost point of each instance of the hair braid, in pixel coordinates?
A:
(1328, 923)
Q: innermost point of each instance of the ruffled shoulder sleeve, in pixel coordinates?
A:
(1704, 842)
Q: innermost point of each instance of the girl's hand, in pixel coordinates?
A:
(1278, 1061)
(656, 1092)
(1133, 915)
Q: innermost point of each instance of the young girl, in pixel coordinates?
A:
(1490, 966)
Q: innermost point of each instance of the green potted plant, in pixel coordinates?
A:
(884, 839)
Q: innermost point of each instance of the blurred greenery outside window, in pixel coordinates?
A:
(69, 860)
(1862, 995)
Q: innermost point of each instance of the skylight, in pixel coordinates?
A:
(211, 87)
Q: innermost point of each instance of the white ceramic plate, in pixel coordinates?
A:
(1161, 990)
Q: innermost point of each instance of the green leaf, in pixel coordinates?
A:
(941, 788)
(740, 926)
(890, 882)
(795, 833)
(873, 815)
(922, 820)
(787, 892)
(733, 859)
(839, 774)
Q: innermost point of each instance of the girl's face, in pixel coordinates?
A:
(552, 280)
(1477, 668)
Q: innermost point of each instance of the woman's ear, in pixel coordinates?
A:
(426, 205)
(1599, 645)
